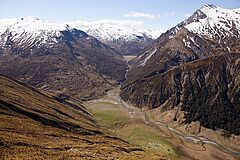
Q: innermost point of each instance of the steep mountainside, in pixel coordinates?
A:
(35, 125)
(125, 40)
(207, 90)
(58, 58)
(180, 44)
(192, 66)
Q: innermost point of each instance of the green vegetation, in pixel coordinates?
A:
(110, 118)
(115, 119)
(109, 115)
(148, 138)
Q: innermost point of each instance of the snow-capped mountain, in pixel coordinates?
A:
(212, 21)
(32, 31)
(194, 67)
(57, 58)
(209, 28)
(106, 32)
(126, 40)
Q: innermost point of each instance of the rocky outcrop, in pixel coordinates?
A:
(207, 90)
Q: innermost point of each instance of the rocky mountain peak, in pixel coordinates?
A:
(32, 31)
(209, 6)
(213, 22)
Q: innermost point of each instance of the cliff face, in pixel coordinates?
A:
(207, 90)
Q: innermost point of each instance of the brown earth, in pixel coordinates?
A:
(37, 125)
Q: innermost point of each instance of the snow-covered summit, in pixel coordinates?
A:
(30, 23)
(109, 32)
(211, 20)
(126, 37)
(31, 31)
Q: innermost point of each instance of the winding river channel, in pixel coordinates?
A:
(184, 137)
(176, 133)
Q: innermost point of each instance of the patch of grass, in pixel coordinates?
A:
(116, 120)
(110, 118)
(148, 138)
(109, 115)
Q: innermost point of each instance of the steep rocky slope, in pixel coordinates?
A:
(59, 59)
(36, 125)
(195, 38)
(193, 68)
(207, 90)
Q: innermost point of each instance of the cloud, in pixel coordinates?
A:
(134, 14)
(87, 24)
(169, 14)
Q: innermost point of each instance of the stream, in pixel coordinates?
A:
(176, 133)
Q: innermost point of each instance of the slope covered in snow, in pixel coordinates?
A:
(32, 31)
(212, 21)
(126, 38)
(108, 32)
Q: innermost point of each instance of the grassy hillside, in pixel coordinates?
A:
(35, 125)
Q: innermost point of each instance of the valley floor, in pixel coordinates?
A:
(140, 127)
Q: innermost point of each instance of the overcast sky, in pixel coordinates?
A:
(148, 14)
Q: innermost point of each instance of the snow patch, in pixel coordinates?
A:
(143, 63)
(229, 50)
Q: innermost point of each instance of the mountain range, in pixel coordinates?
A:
(48, 71)
(193, 66)
(59, 59)
(125, 40)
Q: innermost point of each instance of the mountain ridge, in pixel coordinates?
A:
(55, 58)
(121, 38)
(155, 80)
